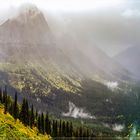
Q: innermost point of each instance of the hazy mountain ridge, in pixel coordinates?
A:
(30, 36)
(28, 27)
(129, 59)
(42, 67)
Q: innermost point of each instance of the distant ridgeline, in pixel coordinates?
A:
(44, 123)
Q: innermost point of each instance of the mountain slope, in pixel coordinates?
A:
(9, 129)
(28, 27)
(94, 63)
(130, 60)
(30, 43)
(50, 72)
(27, 39)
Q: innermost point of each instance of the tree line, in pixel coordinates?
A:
(46, 125)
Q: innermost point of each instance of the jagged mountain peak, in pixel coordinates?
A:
(28, 26)
(29, 13)
(29, 8)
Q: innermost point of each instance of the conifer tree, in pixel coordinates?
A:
(84, 133)
(36, 118)
(23, 112)
(87, 133)
(47, 123)
(42, 123)
(5, 94)
(39, 123)
(60, 128)
(36, 115)
(15, 108)
(56, 128)
(5, 105)
(76, 132)
(11, 108)
(4, 98)
(9, 101)
(27, 118)
(63, 129)
(67, 129)
(49, 128)
(53, 128)
(71, 129)
(80, 132)
(0, 95)
(32, 118)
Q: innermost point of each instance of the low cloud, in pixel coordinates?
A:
(112, 85)
(76, 112)
(115, 127)
(118, 127)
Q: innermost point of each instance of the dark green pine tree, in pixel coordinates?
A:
(67, 129)
(9, 101)
(11, 108)
(36, 118)
(87, 133)
(63, 129)
(56, 128)
(53, 128)
(27, 116)
(15, 108)
(23, 112)
(36, 114)
(84, 133)
(47, 123)
(80, 132)
(32, 117)
(49, 127)
(42, 123)
(4, 94)
(60, 128)
(0, 95)
(76, 133)
(5, 104)
(71, 130)
(39, 123)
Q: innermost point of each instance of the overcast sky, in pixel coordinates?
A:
(73, 5)
(66, 5)
(113, 25)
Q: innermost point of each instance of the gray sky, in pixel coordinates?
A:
(65, 5)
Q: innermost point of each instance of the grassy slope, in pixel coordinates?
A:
(9, 129)
(32, 77)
